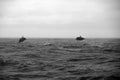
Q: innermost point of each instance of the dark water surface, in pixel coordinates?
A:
(60, 59)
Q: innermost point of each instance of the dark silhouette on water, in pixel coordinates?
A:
(80, 38)
(22, 39)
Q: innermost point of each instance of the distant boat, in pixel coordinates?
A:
(80, 38)
(22, 39)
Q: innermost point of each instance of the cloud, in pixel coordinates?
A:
(54, 15)
(47, 11)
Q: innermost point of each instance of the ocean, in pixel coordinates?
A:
(60, 59)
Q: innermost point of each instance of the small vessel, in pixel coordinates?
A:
(22, 39)
(80, 38)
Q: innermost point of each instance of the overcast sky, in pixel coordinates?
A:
(59, 18)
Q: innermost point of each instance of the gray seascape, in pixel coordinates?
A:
(59, 59)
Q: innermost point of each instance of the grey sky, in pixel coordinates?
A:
(59, 18)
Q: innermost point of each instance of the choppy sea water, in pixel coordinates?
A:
(60, 59)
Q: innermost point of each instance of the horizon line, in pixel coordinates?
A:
(66, 37)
